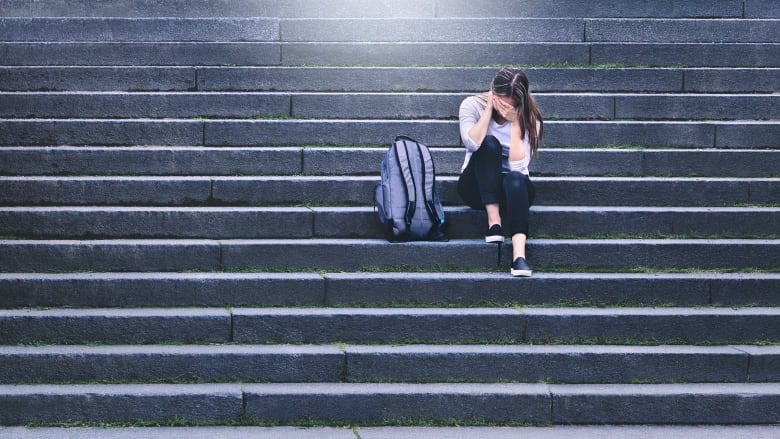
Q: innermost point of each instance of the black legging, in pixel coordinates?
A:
(482, 182)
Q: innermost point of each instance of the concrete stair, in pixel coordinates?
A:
(187, 234)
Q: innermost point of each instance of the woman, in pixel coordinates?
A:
(501, 130)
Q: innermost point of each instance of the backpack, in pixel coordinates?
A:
(406, 197)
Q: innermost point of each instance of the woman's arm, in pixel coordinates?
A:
(516, 140)
(517, 143)
(473, 124)
(478, 132)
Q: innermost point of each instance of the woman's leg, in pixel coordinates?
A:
(480, 183)
(519, 193)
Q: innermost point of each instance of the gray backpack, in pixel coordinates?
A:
(406, 198)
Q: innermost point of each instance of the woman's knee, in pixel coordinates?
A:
(516, 181)
(490, 145)
(518, 184)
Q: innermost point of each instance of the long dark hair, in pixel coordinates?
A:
(514, 83)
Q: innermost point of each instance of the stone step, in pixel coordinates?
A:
(638, 30)
(525, 325)
(348, 190)
(390, 325)
(435, 30)
(251, 105)
(387, 54)
(306, 30)
(399, 8)
(462, 432)
(531, 30)
(335, 161)
(138, 29)
(266, 132)
(372, 404)
(573, 364)
(362, 222)
(375, 254)
(219, 289)
(384, 79)
(140, 54)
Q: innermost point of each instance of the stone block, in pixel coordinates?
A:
(599, 8)
(629, 133)
(109, 255)
(666, 404)
(560, 364)
(119, 403)
(163, 223)
(758, 134)
(376, 403)
(663, 325)
(326, 132)
(680, 31)
(345, 289)
(432, 30)
(104, 190)
(181, 105)
(97, 78)
(87, 29)
(140, 54)
(161, 289)
(687, 54)
(138, 325)
(92, 132)
(51, 364)
(431, 54)
(271, 325)
(355, 254)
(747, 80)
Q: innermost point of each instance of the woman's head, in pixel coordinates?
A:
(512, 83)
(512, 86)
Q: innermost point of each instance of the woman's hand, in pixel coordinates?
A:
(506, 110)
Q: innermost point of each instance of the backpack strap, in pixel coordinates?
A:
(429, 182)
(402, 155)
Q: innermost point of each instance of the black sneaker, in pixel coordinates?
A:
(495, 234)
(520, 267)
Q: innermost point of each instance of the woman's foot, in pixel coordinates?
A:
(495, 234)
(521, 268)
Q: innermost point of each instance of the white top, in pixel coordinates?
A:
(470, 111)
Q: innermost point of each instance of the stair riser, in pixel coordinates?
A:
(360, 191)
(19, 132)
(297, 289)
(377, 79)
(265, 326)
(249, 327)
(303, 223)
(389, 30)
(379, 404)
(400, 8)
(388, 54)
(353, 255)
(568, 367)
(31, 161)
(358, 106)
